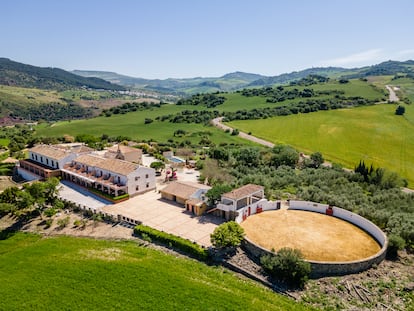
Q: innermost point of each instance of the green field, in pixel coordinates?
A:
(373, 134)
(236, 101)
(63, 273)
(133, 125)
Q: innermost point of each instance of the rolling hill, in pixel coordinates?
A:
(17, 74)
(228, 82)
(237, 80)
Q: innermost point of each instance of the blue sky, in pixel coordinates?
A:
(161, 38)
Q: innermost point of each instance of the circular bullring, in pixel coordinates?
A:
(332, 245)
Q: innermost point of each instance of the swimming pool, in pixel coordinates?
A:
(176, 160)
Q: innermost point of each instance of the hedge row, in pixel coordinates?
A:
(109, 197)
(173, 241)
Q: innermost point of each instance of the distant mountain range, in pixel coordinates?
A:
(228, 82)
(17, 74)
(238, 80)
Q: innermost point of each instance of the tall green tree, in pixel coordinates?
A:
(284, 155)
(317, 159)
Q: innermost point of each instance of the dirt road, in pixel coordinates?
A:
(393, 97)
(217, 122)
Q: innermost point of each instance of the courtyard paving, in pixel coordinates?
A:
(79, 195)
(151, 210)
(166, 216)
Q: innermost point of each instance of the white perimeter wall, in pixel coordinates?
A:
(341, 213)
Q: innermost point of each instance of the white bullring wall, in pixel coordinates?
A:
(343, 214)
(323, 268)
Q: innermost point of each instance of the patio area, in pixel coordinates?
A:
(162, 215)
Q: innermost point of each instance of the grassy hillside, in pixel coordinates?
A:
(133, 125)
(45, 104)
(373, 134)
(18, 74)
(36, 104)
(235, 101)
(28, 96)
(63, 273)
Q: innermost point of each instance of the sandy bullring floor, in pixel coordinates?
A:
(319, 237)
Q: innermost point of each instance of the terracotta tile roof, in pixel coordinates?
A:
(49, 151)
(58, 152)
(183, 189)
(243, 191)
(82, 149)
(75, 147)
(124, 149)
(112, 165)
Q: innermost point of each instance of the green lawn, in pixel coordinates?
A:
(373, 134)
(132, 125)
(64, 273)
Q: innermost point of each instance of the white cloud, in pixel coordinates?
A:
(357, 59)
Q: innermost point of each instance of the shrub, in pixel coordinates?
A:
(97, 218)
(48, 223)
(49, 212)
(62, 223)
(395, 243)
(80, 223)
(228, 234)
(146, 237)
(148, 234)
(287, 265)
(400, 110)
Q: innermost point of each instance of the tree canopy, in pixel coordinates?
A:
(228, 234)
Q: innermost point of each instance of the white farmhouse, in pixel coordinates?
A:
(45, 161)
(111, 176)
